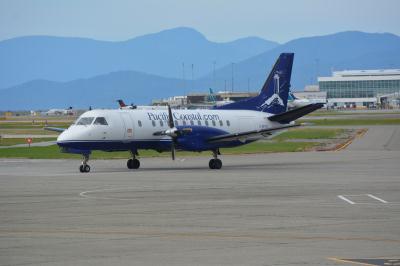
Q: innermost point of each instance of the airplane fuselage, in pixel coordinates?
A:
(134, 129)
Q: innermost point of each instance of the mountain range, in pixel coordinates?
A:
(44, 72)
(64, 59)
(318, 56)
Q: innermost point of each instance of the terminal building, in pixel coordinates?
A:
(203, 100)
(360, 88)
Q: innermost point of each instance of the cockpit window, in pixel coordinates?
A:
(85, 121)
(100, 121)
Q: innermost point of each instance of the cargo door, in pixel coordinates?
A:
(128, 124)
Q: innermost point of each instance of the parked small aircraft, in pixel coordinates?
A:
(213, 99)
(294, 102)
(55, 112)
(227, 126)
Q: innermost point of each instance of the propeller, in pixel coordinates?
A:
(173, 132)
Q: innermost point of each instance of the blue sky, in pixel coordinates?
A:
(279, 20)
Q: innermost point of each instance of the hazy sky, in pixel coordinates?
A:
(218, 20)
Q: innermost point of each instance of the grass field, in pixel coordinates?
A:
(278, 144)
(353, 122)
(30, 125)
(26, 131)
(53, 152)
(15, 141)
(335, 112)
(309, 133)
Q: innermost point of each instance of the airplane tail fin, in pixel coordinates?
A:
(121, 103)
(274, 94)
(211, 96)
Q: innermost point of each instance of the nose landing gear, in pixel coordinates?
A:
(133, 163)
(84, 167)
(215, 163)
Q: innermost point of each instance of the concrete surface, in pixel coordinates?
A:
(378, 138)
(270, 209)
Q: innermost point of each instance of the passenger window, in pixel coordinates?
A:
(213, 122)
(84, 121)
(176, 123)
(206, 122)
(161, 123)
(221, 123)
(100, 121)
(199, 122)
(192, 122)
(228, 123)
(139, 123)
(153, 123)
(184, 122)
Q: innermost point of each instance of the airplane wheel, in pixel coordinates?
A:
(133, 163)
(211, 164)
(129, 163)
(84, 168)
(136, 163)
(217, 164)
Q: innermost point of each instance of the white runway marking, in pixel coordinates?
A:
(376, 198)
(346, 199)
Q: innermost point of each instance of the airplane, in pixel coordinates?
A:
(122, 105)
(199, 130)
(294, 102)
(212, 98)
(53, 112)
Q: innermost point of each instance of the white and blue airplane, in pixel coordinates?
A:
(224, 126)
(294, 102)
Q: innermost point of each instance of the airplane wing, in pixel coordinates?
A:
(292, 115)
(248, 134)
(57, 129)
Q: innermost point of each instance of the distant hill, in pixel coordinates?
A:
(313, 55)
(64, 59)
(316, 56)
(99, 92)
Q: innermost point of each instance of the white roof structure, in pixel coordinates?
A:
(352, 75)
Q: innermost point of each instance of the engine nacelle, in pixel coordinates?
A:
(196, 140)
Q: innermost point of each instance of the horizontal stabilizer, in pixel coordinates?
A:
(292, 115)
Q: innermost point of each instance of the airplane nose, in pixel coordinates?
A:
(62, 137)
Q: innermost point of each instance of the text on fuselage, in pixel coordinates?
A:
(188, 117)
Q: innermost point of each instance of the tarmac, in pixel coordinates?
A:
(308, 208)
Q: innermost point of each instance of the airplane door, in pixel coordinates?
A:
(128, 125)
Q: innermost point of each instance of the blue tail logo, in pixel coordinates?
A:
(275, 99)
(274, 94)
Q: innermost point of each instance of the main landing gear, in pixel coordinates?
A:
(84, 167)
(215, 163)
(133, 163)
